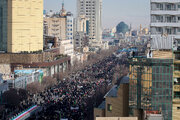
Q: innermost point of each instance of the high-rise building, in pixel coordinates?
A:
(3, 25)
(165, 34)
(59, 25)
(69, 26)
(82, 24)
(151, 86)
(92, 10)
(165, 27)
(55, 26)
(81, 32)
(21, 25)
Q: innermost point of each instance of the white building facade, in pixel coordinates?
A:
(165, 24)
(92, 9)
(67, 48)
(69, 26)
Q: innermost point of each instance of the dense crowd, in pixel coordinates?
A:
(72, 96)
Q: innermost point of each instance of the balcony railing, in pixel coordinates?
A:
(165, 9)
(165, 21)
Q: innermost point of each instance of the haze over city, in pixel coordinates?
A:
(89, 59)
(133, 12)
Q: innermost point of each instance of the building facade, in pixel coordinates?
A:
(81, 36)
(116, 103)
(3, 25)
(165, 34)
(83, 24)
(151, 87)
(81, 40)
(21, 25)
(92, 10)
(66, 47)
(56, 26)
(69, 27)
(165, 27)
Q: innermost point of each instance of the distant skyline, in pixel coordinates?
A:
(133, 12)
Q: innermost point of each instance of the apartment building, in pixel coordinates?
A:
(82, 24)
(165, 23)
(21, 25)
(69, 26)
(3, 25)
(151, 87)
(92, 9)
(81, 36)
(66, 47)
(165, 34)
(56, 26)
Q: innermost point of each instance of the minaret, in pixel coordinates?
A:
(63, 11)
(140, 29)
(130, 30)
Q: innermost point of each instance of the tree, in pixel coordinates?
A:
(48, 82)
(11, 97)
(23, 94)
(119, 72)
(122, 28)
(35, 87)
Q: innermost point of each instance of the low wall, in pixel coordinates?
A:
(8, 58)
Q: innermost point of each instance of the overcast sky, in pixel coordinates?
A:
(133, 12)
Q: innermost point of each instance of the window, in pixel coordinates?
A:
(178, 29)
(109, 107)
(178, 18)
(168, 7)
(159, 6)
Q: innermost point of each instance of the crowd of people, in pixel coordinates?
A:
(74, 97)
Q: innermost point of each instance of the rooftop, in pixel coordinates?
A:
(112, 92)
(123, 80)
(102, 105)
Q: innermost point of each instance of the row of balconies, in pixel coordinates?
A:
(165, 24)
(55, 29)
(165, 9)
(164, 21)
(163, 30)
(165, 1)
(161, 12)
(165, 6)
(165, 18)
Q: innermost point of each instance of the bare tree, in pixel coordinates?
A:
(35, 87)
(119, 71)
(48, 82)
(23, 94)
(11, 97)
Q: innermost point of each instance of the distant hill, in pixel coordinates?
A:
(122, 28)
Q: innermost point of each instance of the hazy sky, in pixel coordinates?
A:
(135, 12)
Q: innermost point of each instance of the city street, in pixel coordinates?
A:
(75, 97)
